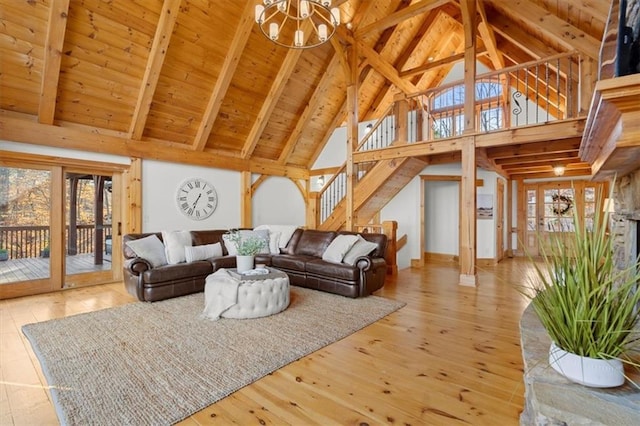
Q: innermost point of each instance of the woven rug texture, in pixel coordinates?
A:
(158, 363)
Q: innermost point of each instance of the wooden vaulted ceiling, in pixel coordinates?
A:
(196, 81)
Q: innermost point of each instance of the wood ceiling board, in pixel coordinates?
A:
(535, 148)
(138, 15)
(537, 158)
(18, 100)
(514, 33)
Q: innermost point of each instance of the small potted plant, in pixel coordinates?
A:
(246, 247)
(586, 304)
(4, 254)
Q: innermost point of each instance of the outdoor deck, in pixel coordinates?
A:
(34, 268)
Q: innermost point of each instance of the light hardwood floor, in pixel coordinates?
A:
(450, 356)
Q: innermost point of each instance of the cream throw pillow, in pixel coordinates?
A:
(204, 252)
(339, 248)
(362, 247)
(149, 248)
(174, 244)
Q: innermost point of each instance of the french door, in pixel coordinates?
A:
(56, 225)
(549, 210)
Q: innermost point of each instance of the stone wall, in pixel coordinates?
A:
(626, 219)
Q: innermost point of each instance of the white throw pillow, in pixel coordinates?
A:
(362, 247)
(339, 247)
(149, 248)
(286, 232)
(230, 245)
(274, 242)
(207, 251)
(174, 244)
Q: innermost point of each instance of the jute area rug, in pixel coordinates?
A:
(158, 363)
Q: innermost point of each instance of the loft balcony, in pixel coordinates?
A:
(528, 118)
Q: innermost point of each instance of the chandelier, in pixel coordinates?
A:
(285, 21)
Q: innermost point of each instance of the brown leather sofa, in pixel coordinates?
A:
(301, 260)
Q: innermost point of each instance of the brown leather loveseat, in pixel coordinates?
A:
(301, 260)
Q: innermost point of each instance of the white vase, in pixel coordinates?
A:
(596, 373)
(244, 263)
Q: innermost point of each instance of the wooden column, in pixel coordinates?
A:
(245, 200)
(313, 209)
(132, 209)
(402, 118)
(352, 137)
(468, 276)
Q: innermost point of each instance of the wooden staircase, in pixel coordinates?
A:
(378, 186)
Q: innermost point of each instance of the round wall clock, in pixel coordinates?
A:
(196, 198)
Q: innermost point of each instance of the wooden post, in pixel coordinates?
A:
(468, 276)
(352, 137)
(313, 209)
(245, 201)
(132, 213)
(390, 229)
(72, 246)
(402, 118)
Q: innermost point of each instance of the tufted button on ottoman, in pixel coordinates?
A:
(229, 295)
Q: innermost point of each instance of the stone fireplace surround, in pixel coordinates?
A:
(626, 219)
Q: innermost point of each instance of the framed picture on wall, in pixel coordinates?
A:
(484, 209)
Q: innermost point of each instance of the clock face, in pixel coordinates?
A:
(197, 198)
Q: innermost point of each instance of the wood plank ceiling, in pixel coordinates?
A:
(196, 81)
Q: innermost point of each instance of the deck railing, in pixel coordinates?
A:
(33, 241)
(531, 93)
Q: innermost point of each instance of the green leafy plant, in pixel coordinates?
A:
(246, 246)
(587, 305)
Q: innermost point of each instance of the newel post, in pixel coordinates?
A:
(390, 229)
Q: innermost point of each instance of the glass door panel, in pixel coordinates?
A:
(25, 204)
(88, 228)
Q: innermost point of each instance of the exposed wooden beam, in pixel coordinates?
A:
(56, 28)
(396, 18)
(566, 156)
(164, 30)
(550, 131)
(535, 149)
(28, 131)
(270, 101)
(561, 31)
(486, 32)
(549, 174)
(224, 79)
(385, 68)
(514, 33)
(325, 84)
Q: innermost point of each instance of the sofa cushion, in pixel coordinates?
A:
(339, 247)
(166, 274)
(313, 242)
(339, 271)
(362, 247)
(204, 252)
(291, 262)
(174, 244)
(149, 248)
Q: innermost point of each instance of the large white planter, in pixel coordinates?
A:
(244, 263)
(597, 373)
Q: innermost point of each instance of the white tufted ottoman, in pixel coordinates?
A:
(228, 296)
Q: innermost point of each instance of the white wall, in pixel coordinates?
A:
(278, 202)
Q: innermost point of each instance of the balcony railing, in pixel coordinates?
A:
(531, 93)
(33, 241)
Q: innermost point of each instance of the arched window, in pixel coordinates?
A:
(447, 109)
